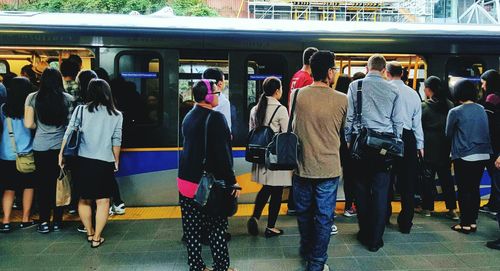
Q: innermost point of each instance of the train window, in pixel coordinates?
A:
(3, 67)
(469, 68)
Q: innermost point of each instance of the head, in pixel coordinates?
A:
(50, 106)
(272, 88)
(490, 82)
(433, 88)
(19, 89)
(205, 92)
(83, 80)
(27, 71)
(323, 67)
(69, 69)
(376, 63)
(306, 55)
(394, 70)
(103, 74)
(77, 59)
(215, 74)
(464, 90)
(343, 83)
(358, 75)
(99, 93)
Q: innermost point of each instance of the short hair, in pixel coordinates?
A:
(308, 52)
(394, 68)
(358, 75)
(343, 83)
(215, 74)
(321, 62)
(376, 62)
(69, 68)
(200, 91)
(76, 58)
(465, 90)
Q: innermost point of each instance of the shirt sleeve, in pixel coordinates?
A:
(72, 123)
(30, 101)
(450, 123)
(417, 127)
(225, 108)
(397, 117)
(349, 121)
(251, 121)
(283, 118)
(116, 139)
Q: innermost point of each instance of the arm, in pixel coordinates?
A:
(450, 123)
(349, 121)
(220, 156)
(397, 117)
(29, 117)
(71, 126)
(417, 127)
(283, 118)
(251, 121)
(116, 140)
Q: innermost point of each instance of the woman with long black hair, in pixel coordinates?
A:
(269, 112)
(12, 114)
(437, 148)
(47, 111)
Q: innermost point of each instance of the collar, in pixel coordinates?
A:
(272, 100)
(374, 74)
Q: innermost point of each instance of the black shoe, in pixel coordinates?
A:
(43, 228)
(27, 225)
(363, 240)
(404, 230)
(5, 228)
(494, 244)
(375, 248)
(57, 226)
(269, 233)
(253, 226)
(81, 228)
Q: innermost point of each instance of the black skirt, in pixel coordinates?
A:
(93, 179)
(11, 179)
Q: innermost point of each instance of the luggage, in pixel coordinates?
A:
(258, 140)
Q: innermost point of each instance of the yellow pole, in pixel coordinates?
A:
(349, 67)
(241, 8)
(415, 72)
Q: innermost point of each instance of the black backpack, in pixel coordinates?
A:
(258, 140)
(281, 154)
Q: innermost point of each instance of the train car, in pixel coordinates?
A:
(155, 60)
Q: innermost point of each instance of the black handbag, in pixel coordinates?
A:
(215, 198)
(369, 142)
(75, 135)
(258, 140)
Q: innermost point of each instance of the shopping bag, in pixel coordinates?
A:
(63, 192)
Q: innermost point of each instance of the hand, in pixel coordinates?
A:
(61, 160)
(117, 165)
(237, 191)
(497, 162)
(421, 153)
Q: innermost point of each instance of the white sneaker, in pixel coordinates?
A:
(326, 268)
(119, 210)
(334, 230)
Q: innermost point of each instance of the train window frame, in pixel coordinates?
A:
(161, 91)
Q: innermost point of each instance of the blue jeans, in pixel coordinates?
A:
(315, 201)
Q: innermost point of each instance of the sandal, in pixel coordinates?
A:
(461, 229)
(89, 238)
(99, 243)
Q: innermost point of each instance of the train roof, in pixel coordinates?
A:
(12, 21)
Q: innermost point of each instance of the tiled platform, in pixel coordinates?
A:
(156, 245)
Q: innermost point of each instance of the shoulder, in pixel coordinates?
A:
(68, 97)
(217, 117)
(282, 111)
(340, 96)
(30, 98)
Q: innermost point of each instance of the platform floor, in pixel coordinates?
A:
(155, 244)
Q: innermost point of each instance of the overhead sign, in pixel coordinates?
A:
(139, 75)
(263, 76)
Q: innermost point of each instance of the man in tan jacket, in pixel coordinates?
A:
(318, 117)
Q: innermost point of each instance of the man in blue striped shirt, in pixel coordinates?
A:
(413, 137)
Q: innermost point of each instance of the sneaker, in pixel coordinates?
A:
(326, 268)
(335, 230)
(487, 209)
(81, 228)
(57, 226)
(43, 228)
(27, 225)
(119, 210)
(453, 215)
(5, 228)
(350, 212)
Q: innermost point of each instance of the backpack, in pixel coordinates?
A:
(258, 140)
(281, 154)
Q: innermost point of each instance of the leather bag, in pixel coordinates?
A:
(258, 140)
(75, 135)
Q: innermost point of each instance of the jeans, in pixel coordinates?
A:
(315, 201)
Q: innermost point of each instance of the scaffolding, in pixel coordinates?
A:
(344, 10)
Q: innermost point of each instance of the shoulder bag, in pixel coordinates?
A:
(25, 162)
(258, 140)
(213, 195)
(75, 135)
(368, 141)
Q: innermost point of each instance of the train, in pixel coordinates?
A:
(159, 58)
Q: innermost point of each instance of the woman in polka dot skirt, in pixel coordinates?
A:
(219, 162)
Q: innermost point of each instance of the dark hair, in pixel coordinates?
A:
(308, 52)
(464, 90)
(358, 75)
(200, 91)
(215, 74)
(100, 94)
(492, 78)
(394, 68)
(17, 92)
(102, 74)
(69, 68)
(270, 85)
(321, 62)
(83, 79)
(343, 83)
(28, 70)
(77, 59)
(440, 95)
(50, 104)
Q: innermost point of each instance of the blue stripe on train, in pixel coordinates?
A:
(132, 163)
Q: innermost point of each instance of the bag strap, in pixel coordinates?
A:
(11, 135)
(272, 117)
(293, 110)
(359, 103)
(79, 109)
(204, 161)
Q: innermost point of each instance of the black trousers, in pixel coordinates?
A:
(266, 192)
(495, 185)
(406, 179)
(371, 188)
(468, 176)
(428, 191)
(493, 202)
(47, 171)
(349, 184)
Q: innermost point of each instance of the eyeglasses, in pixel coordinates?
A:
(217, 93)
